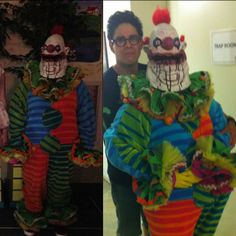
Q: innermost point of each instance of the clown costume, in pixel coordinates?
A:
(52, 125)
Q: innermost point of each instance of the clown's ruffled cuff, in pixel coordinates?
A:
(16, 155)
(61, 216)
(13, 156)
(85, 157)
(215, 166)
(164, 162)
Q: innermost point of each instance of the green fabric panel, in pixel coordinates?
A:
(50, 144)
(52, 118)
(210, 216)
(17, 114)
(60, 170)
(133, 134)
(203, 198)
(132, 124)
(131, 154)
(137, 163)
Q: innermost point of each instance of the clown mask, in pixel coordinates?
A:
(53, 62)
(167, 67)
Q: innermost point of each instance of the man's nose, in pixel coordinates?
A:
(127, 43)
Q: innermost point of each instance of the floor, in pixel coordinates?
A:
(88, 198)
(109, 216)
(227, 226)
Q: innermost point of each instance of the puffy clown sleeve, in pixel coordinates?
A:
(18, 147)
(17, 114)
(127, 148)
(127, 141)
(85, 117)
(219, 122)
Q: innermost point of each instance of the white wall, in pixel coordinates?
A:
(196, 20)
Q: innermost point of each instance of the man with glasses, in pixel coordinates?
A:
(125, 40)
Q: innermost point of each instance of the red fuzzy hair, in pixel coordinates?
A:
(161, 16)
(57, 29)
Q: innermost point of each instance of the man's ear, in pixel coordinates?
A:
(111, 46)
(66, 50)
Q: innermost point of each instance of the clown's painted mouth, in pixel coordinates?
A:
(169, 76)
(53, 58)
(51, 71)
(168, 59)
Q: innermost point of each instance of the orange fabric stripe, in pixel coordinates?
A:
(187, 232)
(175, 219)
(178, 221)
(167, 218)
(205, 127)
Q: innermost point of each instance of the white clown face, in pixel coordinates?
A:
(53, 62)
(167, 67)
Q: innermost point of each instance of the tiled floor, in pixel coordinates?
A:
(227, 226)
(88, 198)
(109, 215)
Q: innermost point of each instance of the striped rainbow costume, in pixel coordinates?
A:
(151, 140)
(50, 121)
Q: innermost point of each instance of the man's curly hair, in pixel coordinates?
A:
(120, 17)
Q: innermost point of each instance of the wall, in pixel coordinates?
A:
(196, 19)
(143, 10)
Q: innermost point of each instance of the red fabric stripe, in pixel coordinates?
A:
(165, 220)
(34, 176)
(187, 232)
(67, 131)
(176, 218)
(205, 127)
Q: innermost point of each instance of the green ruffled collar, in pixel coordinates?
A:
(188, 104)
(53, 90)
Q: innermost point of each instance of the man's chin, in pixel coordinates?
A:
(130, 62)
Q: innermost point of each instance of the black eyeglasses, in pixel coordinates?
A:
(121, 40)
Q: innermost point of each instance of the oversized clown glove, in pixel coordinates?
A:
(85, 157)
(185, 179)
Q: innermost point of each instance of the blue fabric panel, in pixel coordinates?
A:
(34, 128)
(85, 116)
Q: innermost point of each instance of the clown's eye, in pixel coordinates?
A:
(58, 48)
(156, 42)
(51, 48)
(176, 42)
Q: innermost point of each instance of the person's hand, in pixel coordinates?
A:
(185, 179)
(231, 129)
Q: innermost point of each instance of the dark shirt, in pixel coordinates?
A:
(111, 104)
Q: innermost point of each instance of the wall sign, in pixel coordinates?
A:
(224, 47)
